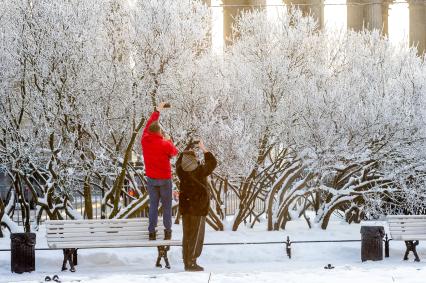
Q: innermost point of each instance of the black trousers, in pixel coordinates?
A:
(193, 237)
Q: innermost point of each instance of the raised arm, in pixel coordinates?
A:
(154, 117)
(179, 170)
(210, 161)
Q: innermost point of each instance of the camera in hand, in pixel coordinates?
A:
(167, 105)
(193, 143)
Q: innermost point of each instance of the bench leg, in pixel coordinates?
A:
(158, 264)
(64, 262)
(288, 247)
(74, 257)
(70, 256)
(415, 244)
(411, 246)
(387, 240)
(162, 253)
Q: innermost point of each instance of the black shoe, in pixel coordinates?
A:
(167, 234)
(152, 236)
(194, 268)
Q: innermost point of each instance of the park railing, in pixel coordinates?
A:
(231, 204)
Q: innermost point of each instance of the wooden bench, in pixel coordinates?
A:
(408, 228)
(71, 235)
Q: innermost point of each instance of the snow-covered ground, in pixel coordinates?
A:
(248, 263)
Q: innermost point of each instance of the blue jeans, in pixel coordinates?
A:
(160, 189)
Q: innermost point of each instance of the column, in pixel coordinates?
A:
(368, 14)
(315, 8)
(231, 11)
(355, 15)
(418, 24)
(373, 15)
(385, 17)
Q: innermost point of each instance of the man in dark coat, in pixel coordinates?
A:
(194, 202)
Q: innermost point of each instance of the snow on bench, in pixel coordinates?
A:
(408, 228)
(71, 235)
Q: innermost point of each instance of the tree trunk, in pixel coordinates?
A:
(214, 221)
(88, 206)
(289, 172)
(118, 184)
(25, 208)
(2, 208)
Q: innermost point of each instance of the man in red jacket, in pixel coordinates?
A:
(157, 151)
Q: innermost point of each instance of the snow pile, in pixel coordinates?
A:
(233, 263)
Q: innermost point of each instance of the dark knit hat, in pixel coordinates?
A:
(154, 127)
(189, 161)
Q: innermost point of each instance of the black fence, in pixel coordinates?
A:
(230, 206)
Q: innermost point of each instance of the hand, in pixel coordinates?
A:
(202, 146)
(161, 106)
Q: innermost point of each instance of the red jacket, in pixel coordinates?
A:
(157, 152)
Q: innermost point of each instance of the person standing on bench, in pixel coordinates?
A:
(194, 201)
(157, 151)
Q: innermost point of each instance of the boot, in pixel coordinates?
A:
(167, 234)
(193, 267)
(152, 236)
(186, 265)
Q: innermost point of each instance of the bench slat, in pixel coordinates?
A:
(101, 238)
(409, 237)
(97, 244)
(102, 234)
(405, 216)
(79, 230)
(408, 233)
(88, 227)
(408, 222)
(412, 225)
(95, 225)
(98, 229)
(414, 232)
(405, 227)
(85, 221)
(94, 234)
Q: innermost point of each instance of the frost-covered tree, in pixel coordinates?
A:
(269, 63)
(43, 84)
(80, 80)
(348, 107)
(363, 122)
(165, 38)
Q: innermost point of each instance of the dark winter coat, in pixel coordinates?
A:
(194, 196)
